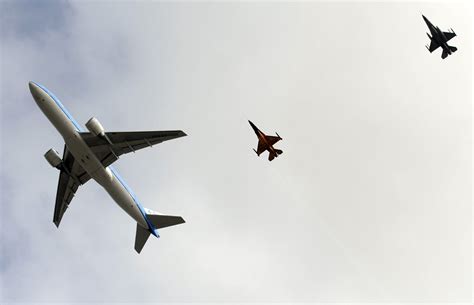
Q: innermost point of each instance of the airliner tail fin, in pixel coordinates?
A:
(158, 221)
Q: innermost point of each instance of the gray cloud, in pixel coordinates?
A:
(28, 19)
(370, 201)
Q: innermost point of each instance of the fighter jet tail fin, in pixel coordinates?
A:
(444, 55)
(445, 52)
(271, 156)
(274, 154)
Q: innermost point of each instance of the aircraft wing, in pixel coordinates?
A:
(261, 147)
(449, 35)
(432, 30)
(71, 176)
(114, 144)
(272, 140)
(433, 46)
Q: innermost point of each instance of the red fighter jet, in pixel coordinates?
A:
(266, 143)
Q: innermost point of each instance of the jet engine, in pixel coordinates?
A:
(53, 158)
(94, 126)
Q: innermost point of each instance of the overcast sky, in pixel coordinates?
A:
(370, 201)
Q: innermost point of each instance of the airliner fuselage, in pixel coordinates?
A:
(82, 152)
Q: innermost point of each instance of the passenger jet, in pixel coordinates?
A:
(90, 154)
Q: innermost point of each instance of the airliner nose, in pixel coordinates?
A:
(35, 91)
(33, 88)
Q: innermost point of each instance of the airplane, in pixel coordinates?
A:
(266, 143)
(439, 39)
(90, 154)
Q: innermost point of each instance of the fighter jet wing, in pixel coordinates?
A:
(109, 148)
(71, 176)
(449, 35)
(433, 46)
(272, 140)
(261, 147)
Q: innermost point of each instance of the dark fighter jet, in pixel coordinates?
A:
(439, 39)
(266, 143)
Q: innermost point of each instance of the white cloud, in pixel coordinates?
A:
(369, 202)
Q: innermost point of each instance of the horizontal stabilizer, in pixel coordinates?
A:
(160, 221)
(163, 221)
(141, 237)
(453, 49)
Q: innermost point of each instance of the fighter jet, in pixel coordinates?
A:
(266, 143)
(89, 155)
(440, 39)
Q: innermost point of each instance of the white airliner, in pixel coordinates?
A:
(89, 155)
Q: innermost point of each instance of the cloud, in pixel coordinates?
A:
(369, 201)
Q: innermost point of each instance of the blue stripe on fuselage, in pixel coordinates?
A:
(56, 100)
(151, 228)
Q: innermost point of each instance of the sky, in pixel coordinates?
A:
(370, 202)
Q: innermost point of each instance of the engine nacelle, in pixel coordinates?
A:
(94, 126)
(53, 158)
